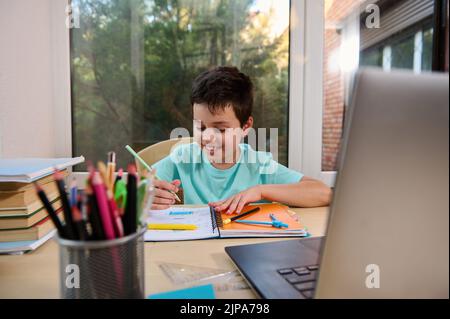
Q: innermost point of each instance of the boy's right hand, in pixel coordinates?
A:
(163, 199)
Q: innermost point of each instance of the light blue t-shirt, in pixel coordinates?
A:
(203, 183)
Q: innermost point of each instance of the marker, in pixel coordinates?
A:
(130, 215)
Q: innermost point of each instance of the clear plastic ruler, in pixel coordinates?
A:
(185, 275)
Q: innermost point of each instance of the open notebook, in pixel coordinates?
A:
(208, 223)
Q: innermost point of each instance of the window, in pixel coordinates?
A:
(133, 61)
(404, 40)
(410, 49)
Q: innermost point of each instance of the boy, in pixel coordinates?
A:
(217, 169)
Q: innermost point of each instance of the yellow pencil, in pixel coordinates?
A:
(172, 226)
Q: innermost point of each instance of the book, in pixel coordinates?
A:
(30, 233)
(25, 221)
(19, 247)
(208, 223)
(19, 187)
(13, 199)
(25, 211)
(27, 170)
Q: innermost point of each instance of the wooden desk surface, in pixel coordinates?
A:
(36, 275)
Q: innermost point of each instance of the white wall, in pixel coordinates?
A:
(34, 79)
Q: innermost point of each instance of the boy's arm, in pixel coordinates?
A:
(306, 193)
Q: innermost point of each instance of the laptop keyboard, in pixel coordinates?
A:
(301, 278)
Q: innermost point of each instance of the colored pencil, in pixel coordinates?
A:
(94, 214)
(103, 207)
(113, 209)
(111, 169)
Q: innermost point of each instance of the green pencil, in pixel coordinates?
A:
(147, 167)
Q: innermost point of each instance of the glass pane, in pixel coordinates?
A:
(427, 55)
(133, 62)
(403, 54)
(373, 57)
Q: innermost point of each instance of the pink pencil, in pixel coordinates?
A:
(103, 206)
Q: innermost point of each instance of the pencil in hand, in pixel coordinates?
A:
(148, 168)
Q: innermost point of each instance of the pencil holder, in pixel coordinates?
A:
(104, 269)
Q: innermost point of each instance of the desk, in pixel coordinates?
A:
(36, 275)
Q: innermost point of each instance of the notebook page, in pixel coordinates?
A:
(201, 217)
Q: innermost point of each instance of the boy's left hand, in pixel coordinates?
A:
(237, 202)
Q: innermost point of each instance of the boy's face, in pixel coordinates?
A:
(219, 133)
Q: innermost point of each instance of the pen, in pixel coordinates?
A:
(50, 210)
(277, 224)
(79, 223)
(70, 230)
(172, 226)
(73, 192)
(93, 214)
(229, 220)
(147, 167)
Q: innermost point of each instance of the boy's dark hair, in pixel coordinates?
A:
(222, 86)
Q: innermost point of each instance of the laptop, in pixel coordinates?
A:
(388, 230)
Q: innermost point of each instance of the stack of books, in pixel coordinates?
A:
(24, 222)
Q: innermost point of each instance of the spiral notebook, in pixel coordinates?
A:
(209, 223)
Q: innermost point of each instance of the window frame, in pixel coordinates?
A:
(306, 87)
(305, 91)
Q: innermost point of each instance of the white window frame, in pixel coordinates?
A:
(305, 88)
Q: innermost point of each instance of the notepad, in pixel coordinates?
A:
(27, 170)
(209, 226)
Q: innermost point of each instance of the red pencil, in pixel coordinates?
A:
(103, 206)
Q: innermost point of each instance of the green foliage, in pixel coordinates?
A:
(133, 62)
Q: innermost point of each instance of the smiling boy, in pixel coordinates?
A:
(220, 171)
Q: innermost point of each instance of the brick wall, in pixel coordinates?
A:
(335, 11)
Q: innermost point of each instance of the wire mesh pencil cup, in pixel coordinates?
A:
(104, 269)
